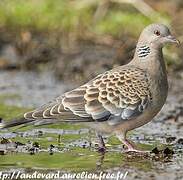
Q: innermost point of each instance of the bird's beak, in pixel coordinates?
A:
(172, 39)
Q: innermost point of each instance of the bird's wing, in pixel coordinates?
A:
(119, 94)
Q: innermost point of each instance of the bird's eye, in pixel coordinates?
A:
(157, 32)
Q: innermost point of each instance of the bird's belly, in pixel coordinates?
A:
(124, 126)
(127, 125)
(153, 109)
(146, 117)
(100, 126)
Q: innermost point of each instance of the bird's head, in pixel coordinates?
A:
(157, 35)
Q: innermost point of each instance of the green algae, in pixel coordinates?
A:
(47, 139)
(77, 159)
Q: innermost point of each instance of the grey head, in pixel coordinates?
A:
(152, 40)
(156, 36)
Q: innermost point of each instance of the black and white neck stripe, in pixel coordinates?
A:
(143, 51)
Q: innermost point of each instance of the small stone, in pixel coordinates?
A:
(32, 151)
(170, 139)
(180, 141)
(52, 146)
(5, 141)
(36, 145)
(51, 149)
(155, 151)
(40, 133)
(2, 152)
(51, 153)
(168, 151)
(19, 144)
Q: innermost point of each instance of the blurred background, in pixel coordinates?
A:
(77, 40)
(48, 47)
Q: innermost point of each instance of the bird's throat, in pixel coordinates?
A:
(149, 58)
(143, 51)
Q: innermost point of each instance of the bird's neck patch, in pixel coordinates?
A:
(143, 51)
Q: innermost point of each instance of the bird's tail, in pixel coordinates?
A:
(15, 122)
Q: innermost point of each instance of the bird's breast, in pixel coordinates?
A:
(159, 90)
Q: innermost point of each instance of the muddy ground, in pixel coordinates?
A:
(73, 147)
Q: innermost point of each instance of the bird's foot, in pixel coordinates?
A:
(136, 151)
(132, 148)
(102, 149)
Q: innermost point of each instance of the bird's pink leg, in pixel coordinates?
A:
(128, 144)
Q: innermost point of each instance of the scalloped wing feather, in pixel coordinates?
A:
(117, 95)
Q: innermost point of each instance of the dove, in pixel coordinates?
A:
(119, 100)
